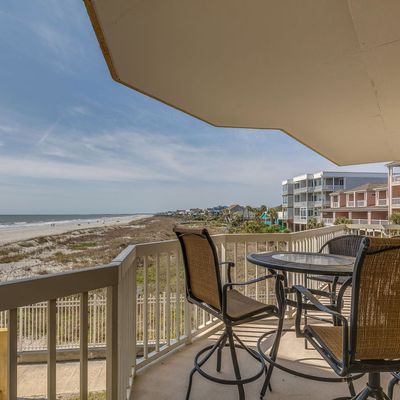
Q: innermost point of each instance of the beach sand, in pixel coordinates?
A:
(25, 232)
(41, 250)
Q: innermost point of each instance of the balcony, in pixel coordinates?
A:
(328, 221)
(300, 219)
(396, 201)
(301, 204)
(332, 188)
(301, 189)
(335, 204)
(396, 179)
(350, 203)
(361, 203)
(140, 318)
(379, 222)
(359, 221)
(284, 386)
(381, 202)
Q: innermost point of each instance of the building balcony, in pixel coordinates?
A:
(335, 204)
(396, 201)
(300, 219)
(134, 311)
(302, 189)
(350, 203)
(396, 179)
(361, 203)
(328, 221)
(300, 204)
(381, 202)
(379, 222)
(359, 221)
(332, 188)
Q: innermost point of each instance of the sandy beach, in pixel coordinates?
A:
(49, 248)
(32, 231)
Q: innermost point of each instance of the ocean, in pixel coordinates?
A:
(7, 221)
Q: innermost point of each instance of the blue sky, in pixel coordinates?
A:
(74, 141)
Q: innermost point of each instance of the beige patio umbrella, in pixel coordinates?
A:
(327, 72)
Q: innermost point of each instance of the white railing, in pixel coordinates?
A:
(332, 187)
(335, 204)
(140, 318)
(381, 202)
(300, 218)
(328, 221)
(361, 203)
(396, 178)
(396, 201)
(379, 221)
(350, 203)
(360, 221)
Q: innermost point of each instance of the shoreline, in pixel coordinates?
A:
(18, 233)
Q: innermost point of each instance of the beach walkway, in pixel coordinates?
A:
(32, 378)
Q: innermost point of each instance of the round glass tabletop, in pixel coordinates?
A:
(304, 262)
(313, 259)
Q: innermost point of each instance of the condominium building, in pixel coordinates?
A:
(306, 196)
(364, 204)
(370, 203)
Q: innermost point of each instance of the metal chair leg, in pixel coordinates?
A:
(352, 391)
(219, 353)
(206, 357)
(391, 386)
(274, 353)
(235, 362)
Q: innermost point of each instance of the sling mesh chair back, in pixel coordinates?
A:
(203, 278)
(346, 245)
(205, 289)
(369, 340)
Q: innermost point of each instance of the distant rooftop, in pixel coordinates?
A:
(362, 188)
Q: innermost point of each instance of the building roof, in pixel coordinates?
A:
(366, 187)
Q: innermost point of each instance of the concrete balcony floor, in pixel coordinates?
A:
(167, 379)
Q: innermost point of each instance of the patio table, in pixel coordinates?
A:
(282, 262)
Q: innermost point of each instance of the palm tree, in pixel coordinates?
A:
(273, 214)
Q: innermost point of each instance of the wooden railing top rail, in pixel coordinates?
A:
(34, 290)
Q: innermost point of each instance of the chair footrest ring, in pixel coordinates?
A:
(229, 381)
(294, 372)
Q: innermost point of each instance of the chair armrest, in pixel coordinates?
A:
(315, 292)
(301, 290)
(342, 290)
(230, 265)
(251, 281)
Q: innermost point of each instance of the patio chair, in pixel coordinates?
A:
(346, 245)
(205, 289)
(369, 341)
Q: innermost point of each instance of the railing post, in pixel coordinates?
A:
(134, 315)
(112, 344)
(223, 259)
(83, 343)
(51, 348)
(12, 355)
